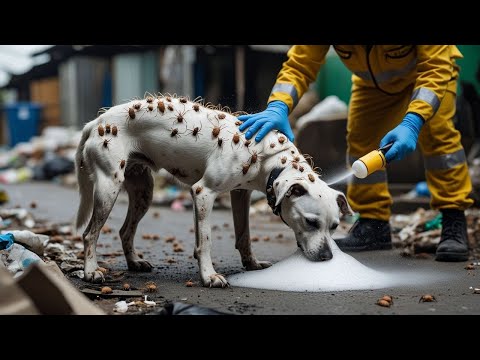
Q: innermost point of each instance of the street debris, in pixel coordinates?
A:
(418, 233)
(427, 298)
(121, 307)
(475, 290)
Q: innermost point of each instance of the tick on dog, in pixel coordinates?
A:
(170, 107)
(108, 127)
(150, 107)
(272, 145)
(283, 159)
(106, 142)
(301, 168)
(236, 138)
(161, 106)
(238, 123)
(281, 139)
(131, 113)
(149, 99)
(311, 177)
(122, 164)
(183, 100)
(196, 107)
(245, 167)
(216, 131)
(137, 106)
(198, 190)
(247, 143)
(221, 116)
(169, 99)
(101, 130)
(114, 130)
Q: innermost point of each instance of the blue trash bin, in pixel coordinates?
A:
(23, 119)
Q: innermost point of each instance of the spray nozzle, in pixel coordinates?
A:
(373, 161)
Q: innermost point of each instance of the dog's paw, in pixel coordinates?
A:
(257, 265)
(94, 276)
(139, 265)
(216, 280)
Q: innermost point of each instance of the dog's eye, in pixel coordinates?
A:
(313, 223)
(334, 226)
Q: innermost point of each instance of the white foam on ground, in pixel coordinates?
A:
(342, 272)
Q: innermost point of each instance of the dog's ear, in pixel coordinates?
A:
(286, 189)
(342, 202)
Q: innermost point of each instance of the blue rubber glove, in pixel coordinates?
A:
(275, 116)
(404, 137)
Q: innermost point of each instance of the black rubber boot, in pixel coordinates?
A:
(453, 244)
(367, 234)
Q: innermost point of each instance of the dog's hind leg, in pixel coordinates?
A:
(203, 199)
(139, 186)
(240, 208)
(105, 194)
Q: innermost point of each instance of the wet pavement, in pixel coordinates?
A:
(275, 241)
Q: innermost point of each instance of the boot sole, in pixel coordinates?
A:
(452, 256)
(367, 248)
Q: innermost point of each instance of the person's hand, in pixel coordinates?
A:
(404, 137)
(275, 116)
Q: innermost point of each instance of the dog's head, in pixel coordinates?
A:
(312, 210)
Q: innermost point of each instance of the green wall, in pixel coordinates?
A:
(469, 64)
(335, 79)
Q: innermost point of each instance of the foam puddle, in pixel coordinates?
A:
(342, 272)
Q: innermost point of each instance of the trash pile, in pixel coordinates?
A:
(46, 157)
(418, 234)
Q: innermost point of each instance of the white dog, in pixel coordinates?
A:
(202, 147)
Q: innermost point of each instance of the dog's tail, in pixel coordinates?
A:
(85, 183)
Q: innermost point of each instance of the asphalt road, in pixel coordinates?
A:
(59, 204)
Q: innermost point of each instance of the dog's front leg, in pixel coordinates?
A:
(203, 199)
(240, 208)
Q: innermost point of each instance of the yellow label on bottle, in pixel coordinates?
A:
(374, 160)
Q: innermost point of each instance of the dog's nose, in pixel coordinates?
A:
(325, 254)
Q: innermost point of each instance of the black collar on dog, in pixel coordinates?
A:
(271, 198)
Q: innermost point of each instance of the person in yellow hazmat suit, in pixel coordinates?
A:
(402, 94)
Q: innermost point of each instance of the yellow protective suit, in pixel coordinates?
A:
(388, 82)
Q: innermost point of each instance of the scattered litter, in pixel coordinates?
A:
(78, 273)
(183, 299)
(475, 290)
(121, 307)
(21, 215)
(33, 242)
(15, 257)
(148, 302)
